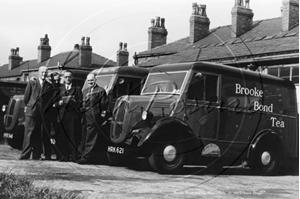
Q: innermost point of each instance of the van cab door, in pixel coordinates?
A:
(202, 113)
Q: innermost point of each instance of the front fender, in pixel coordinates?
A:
(154, 131)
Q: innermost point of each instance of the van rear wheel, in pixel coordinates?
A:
(168, 158)
(266, 160)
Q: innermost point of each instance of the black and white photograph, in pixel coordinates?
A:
(149, 99)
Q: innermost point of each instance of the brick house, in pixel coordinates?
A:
(269, 45)
(81, 58)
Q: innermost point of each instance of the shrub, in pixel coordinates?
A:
(17, 187)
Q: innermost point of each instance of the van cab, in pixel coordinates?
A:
(119, 81)
(207, 114)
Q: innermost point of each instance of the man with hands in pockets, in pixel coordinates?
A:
(93, 107)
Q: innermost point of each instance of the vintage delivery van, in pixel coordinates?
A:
(117, 81)
(207, 114)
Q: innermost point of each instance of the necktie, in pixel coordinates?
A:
(42, 84)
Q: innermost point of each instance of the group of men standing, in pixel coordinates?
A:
(76, 117)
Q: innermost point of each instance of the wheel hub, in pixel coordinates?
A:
(169, 153)
(265, 158)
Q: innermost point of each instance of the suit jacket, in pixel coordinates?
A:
(71, 98)
(95, 102)
(37, 98)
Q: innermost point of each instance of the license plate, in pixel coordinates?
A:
(8, 135)
(113, 149)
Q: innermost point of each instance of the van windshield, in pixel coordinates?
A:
(103, 81)
(164, 82)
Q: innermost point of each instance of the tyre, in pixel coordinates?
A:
(168, 158)
(266, 160)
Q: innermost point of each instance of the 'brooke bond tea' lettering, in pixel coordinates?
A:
(246, 91)
(254, 92)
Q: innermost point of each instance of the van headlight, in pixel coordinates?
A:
(147, 115)
(3, 108)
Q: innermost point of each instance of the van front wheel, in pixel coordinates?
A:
(168, 158)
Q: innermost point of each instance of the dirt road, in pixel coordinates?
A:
(103, 181)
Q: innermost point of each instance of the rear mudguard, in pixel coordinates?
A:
(267, 134)
(165, 129)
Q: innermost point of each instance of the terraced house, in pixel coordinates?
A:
(81, 58)
(269, 46)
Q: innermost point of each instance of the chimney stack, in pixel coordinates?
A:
(242, 18)
(85, 53)
(14, 59)
(76, 46)
(122, 55)
(157, 33)
(290, 14)
(199, 23)
(44, 50)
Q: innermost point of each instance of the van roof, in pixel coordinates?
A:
(124, 70)
(222, 69)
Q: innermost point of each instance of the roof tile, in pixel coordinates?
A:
(266, 36)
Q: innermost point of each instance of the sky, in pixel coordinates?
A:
(106, 22)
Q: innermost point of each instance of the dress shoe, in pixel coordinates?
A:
(73, 160)
(36, 158)
(23, 158)
(47, 158)
(83, 161)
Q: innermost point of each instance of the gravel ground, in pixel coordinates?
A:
(103, 181)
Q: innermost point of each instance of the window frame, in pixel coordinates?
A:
(218, 76)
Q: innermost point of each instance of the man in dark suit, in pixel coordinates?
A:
(94, 106)
(69, 118)
(55, 79)
(36, 100)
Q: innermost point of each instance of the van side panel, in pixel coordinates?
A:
(249, 105)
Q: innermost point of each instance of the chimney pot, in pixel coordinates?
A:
(162, 22)
(87, 41)
(76, 47)
(195, 9)
(82, 41)
(152, 22)
(157, 24)
(203, 10)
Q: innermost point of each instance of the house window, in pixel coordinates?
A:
(286, 72)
